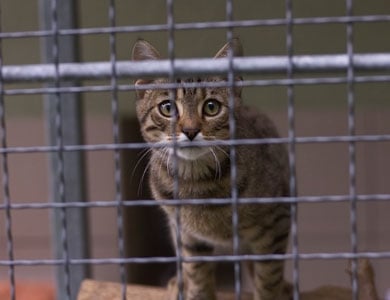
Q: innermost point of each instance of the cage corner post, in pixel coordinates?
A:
(73, 173)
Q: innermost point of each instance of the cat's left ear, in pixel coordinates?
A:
(235, 46)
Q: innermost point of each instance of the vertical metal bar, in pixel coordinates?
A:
(117, 157)
(171, 57)
(232, 153)
(5, 177)
(60, 176)
(70, 239)
(352, 148)
(291, 146)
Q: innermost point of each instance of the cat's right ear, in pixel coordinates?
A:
(142, 50)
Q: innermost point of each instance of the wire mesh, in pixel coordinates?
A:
(352, 148)
(290, 70)
(59, 174)
(291, 145)
(5, 181)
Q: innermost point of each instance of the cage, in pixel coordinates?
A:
(75, 202)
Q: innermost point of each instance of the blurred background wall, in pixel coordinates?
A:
(321, 110)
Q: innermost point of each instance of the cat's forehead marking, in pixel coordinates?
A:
(180, 93)
(186, 89)
(185, 92)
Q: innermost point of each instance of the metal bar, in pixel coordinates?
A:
(216, 258)
(352, 148)
(69, 227)
(292, 146)
(257, 82)
(249, 65)
(177, 231)
(200, 26)
(5, 183)
(124, 146)
(117, 154)
(209, 201)
(233, 153)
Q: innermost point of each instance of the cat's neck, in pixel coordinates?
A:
(210, 166)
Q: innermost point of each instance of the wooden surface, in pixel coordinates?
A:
(28, 290)
(95, 290)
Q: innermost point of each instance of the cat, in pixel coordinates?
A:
(202, 114)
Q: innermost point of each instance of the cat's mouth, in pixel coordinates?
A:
(190, 153)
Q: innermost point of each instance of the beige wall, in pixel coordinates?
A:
(320, 110)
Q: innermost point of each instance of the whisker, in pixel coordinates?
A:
(142, 178)
(217, 164)
(168, 161)
(142, 156)
(162, 159)
(222, 150)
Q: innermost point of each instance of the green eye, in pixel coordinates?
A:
(167, 108)
(211, 107)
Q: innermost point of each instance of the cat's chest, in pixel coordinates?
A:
(195, 179)
(212, 223)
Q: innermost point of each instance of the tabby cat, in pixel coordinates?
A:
(202, 114)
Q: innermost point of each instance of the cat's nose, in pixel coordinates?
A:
(191, 133)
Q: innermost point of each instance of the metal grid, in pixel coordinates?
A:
(56, 72)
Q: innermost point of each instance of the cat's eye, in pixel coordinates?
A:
(167, 108)
(211, 107)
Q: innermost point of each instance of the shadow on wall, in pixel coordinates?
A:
(146, 231)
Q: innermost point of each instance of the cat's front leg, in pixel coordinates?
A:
(268, 275)
(268, 280)
(198, 277)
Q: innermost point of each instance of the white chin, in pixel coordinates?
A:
(190, 153)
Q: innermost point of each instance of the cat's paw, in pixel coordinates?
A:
(196, 294)
(287, 291)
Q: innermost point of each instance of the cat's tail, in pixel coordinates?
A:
(366, 278)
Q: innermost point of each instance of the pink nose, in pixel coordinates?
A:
(190, 132)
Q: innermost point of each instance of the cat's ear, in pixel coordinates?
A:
(234, 45)
(142, 50)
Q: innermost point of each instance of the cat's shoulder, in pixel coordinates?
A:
(255, 122)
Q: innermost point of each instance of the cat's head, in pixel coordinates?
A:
(202, 113)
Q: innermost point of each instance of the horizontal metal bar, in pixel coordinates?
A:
(238, 142)
(199, 26)
(242, 65)
(208, 258)
(257, 82)
(208, 201)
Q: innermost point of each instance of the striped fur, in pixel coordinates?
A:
(202, 114)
